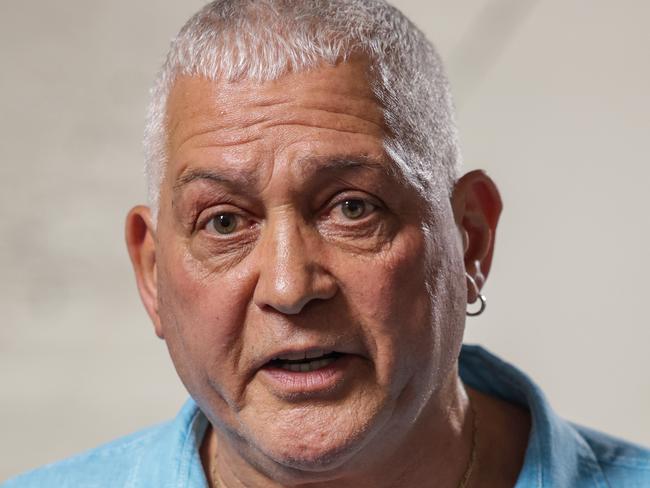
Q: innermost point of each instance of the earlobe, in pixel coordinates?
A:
(141, 244)
(477, 206)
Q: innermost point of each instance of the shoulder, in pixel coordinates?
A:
(109, 465)
(622, 463)
(164, 455)
(558, 451)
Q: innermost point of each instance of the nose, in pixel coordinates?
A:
(291, 272)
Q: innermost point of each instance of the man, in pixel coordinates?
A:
(308, 256)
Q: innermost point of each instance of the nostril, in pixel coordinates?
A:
(291, 298)
(290, 273)
(287, 307)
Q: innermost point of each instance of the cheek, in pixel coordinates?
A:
(389, 294)
(201, 313)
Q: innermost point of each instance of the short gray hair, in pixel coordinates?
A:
(263, 39)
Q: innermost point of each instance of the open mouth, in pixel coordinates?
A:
(296, 375)
(308, 362)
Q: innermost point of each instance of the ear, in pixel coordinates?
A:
(141, 243)
(477, 205)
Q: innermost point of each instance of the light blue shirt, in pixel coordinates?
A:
(559, 454)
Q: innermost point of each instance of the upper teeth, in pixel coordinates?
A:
(314, 353)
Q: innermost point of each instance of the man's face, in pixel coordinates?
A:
(283, 233)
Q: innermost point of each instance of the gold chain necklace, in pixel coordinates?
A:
(473, 455)
(463, 482)
(214, 475)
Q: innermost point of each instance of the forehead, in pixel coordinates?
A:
(327, 105)
(346, 84)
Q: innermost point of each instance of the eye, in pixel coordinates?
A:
(224, 223)
(355, 208)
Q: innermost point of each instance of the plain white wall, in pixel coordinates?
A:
(553, 101)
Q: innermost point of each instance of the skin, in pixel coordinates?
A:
(388, 286)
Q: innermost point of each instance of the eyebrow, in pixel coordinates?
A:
(191, 175)
(321, 164)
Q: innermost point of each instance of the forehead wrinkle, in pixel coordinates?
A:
(366, 120)
(233, 142)
(313, 126)
(221, 130)
(267, 120)
(227, 111)
(217, 118)
(329, 162)
(353, 112)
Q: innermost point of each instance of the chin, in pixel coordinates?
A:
(314, 461)
(313, 440)
(314, 464)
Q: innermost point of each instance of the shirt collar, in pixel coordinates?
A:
(174, 460)
(556, 455)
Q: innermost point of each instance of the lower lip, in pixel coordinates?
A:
(291, 383)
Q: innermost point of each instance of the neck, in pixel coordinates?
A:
(437, 446)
